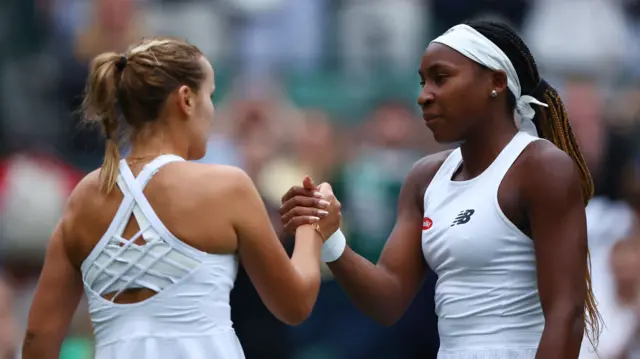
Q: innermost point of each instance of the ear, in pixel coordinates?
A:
(185, 99)
(499, 81)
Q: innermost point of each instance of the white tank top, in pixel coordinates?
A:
(487, 295)
(190, 317)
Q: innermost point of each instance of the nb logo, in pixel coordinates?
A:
(463, 217)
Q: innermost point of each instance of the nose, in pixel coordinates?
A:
(426, 97)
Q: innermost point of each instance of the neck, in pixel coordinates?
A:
(481, 149)
(151, 144)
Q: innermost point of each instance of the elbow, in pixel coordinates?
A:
(300, 307)
(570, 319)
(297, 314)
(386, 319)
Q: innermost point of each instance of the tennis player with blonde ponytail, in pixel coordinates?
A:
(153, 240)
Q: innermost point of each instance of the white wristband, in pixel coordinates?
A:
(333, 248)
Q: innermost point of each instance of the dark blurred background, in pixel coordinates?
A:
(326, 88)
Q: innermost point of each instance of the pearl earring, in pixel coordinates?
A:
(494, 93)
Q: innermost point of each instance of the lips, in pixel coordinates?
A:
(428, 117)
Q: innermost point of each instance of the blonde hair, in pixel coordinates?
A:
(134, 86)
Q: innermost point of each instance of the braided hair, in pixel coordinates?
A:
(552, 124)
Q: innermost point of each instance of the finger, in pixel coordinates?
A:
(300, 221)
(300, 191)
(303, 201)
(325, 189)
(303, 212)
(307, 183)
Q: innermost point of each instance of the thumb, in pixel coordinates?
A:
(307, 183)
(325, 188)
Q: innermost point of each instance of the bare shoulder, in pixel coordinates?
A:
(545, 171)
(429, 164)
(424, 170)
(544, 162)
(89, 184)
(81, 197)
(217, 178)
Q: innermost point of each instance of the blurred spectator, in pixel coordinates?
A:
(314, 150)
(261, 28)
(374, 176)
(113, 25)
(447, 13)
(597, 42)
(382, 34)
(609, 218)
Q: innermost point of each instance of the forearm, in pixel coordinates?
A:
(40, 346)
(306, 261)
(561, 338)
(368, 286)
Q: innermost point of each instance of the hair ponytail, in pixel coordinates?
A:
(136, 85)
(99, 107)
(552, 124)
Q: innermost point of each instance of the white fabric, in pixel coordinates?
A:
(333, 247)
(487, 294)
(472, 44)
(189, 317)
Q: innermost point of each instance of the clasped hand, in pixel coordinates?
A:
(308, 204)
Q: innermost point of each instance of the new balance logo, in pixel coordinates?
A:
(463, 217)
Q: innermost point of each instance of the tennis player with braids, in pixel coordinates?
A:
(501, 219)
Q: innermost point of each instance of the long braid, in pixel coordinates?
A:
(553, 124)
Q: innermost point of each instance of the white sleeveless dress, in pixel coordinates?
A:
(189, 318)
(487, 295)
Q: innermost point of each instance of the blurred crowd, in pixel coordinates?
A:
(325, 88)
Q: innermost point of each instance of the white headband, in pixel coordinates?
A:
(472, 44)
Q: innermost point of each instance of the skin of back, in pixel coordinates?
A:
(215, 209)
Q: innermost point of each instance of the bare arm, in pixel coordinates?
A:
(288, 287)
(57, 296)
(383, 291)
(557, 217)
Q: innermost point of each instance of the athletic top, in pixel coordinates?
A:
(189, 317)
(487, 294)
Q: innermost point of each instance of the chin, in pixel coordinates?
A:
(197, 152)
(445, 139)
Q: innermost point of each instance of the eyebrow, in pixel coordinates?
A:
(444, 64)
(436, 65)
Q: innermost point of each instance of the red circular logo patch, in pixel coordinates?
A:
(426, 223)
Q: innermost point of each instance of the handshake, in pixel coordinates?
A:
(315, 205)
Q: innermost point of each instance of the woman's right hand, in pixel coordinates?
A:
(308, 204)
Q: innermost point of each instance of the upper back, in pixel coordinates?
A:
(190, 199)
(169, 246)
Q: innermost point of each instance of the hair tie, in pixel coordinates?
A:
(541, 87)
(122, 62)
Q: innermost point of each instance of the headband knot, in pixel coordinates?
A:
(541, 87)
(122, 63)
(475, 46)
